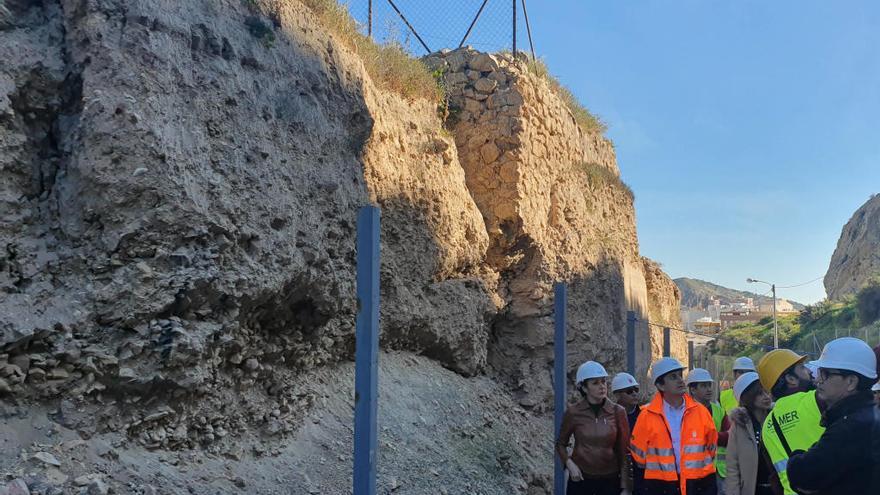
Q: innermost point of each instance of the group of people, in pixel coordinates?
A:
(787, 426)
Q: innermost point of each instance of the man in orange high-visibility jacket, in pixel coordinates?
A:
(674, 438)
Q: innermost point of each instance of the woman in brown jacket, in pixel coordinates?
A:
(748, 473)
(598, 464)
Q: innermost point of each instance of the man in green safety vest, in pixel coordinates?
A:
(793, 423)
(699, 383)
(741, 366)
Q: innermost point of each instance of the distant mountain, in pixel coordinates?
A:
(697, 293)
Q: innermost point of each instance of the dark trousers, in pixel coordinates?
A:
(702, 486)
(594, 486)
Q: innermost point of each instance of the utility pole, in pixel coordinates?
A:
(775, 323)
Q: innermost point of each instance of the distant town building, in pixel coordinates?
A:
(718, 317)
(707, 325)
(782, 306)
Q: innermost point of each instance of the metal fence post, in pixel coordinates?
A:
(370, 18)
(560, 299)
(366, 352)
(631, 342)
(667, 346)
(514, 30)
(690, 354)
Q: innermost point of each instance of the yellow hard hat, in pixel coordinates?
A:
(774, 364)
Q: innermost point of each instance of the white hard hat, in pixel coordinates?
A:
(663, 366)
(743, 382)
(622, 381)
(698, 375)
(743, 364)
(876, 387)
(590, 369)
(851, 354)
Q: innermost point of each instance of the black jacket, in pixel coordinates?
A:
(846, 459)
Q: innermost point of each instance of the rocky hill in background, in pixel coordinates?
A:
(179, 185)
(857, 256)
(697, 293)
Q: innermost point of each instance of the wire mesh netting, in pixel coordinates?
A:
(443, 24)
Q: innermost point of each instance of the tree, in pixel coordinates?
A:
(868, 302)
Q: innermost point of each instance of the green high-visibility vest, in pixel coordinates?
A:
(721, 453)
(728, 400)
(798, 418)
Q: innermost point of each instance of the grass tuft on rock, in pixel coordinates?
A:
(586, 120)
(601, 176)
(389, 66)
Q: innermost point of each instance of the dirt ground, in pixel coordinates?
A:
(439, 433)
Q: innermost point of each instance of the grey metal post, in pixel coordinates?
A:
(514, 29)
(370, 18)
(631, 342)
(667, 346)
(560, 296)
(366, 378)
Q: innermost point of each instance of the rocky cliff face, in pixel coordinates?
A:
(179, 187)
(555, 210)
(857, 256)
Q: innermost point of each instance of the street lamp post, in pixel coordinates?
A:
(775, 324)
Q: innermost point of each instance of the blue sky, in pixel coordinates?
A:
(747, 129)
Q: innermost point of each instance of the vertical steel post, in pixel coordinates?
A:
(560, 299)
(366, 352)
(690, 354)
(667, 351)
(514, 29)
(631, 342)
(370, 18)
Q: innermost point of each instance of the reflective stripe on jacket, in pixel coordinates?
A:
(718, 414)
(652, 449)
(798, 417)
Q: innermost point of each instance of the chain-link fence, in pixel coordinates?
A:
(423, 26)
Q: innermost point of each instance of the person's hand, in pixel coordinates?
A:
(574, 471)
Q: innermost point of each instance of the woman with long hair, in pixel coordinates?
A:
(747, 471)
(598, 463)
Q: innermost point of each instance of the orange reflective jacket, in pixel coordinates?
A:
(651, 443)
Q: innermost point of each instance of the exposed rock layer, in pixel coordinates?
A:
(555, 210)
(179, 187)
(857, 257)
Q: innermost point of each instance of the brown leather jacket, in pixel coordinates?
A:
(600, 441)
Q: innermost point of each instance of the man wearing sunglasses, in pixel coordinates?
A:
(626, 393)
(846, 459)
